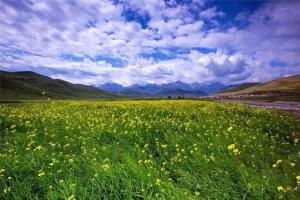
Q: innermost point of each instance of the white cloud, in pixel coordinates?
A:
(211, 13)
(45, 30)
(189, 28)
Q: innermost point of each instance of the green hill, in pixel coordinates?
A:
(29, 85)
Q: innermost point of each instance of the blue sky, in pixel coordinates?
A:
(152, 41)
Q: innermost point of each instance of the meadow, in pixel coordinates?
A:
(164, 149)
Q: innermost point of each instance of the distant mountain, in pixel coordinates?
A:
(180, 92)
(149, 89)
(30, 85)
(178, 85)
(205, 87)
(112, 87)
(177, 88)
(289, 86)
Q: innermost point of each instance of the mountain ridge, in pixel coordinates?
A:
(194, 89)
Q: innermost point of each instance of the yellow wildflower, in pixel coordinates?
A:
(6, 190)
(158, 181)
(280, 188)
(278, 162)
(105, 167)
(232, 146)
(38, 148)
(236, 151)
(298, 180)
(41, 173)
(71, 197)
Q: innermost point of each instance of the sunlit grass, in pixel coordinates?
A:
(147, 150)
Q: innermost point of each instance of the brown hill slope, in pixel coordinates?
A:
(279, 89)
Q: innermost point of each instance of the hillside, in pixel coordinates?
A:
(237, 87)
(287, 88)
(30, 85)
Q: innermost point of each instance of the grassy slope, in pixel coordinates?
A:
(291, 83)
(287, 84)
(146, 150)
(238, 87)
(29, 85)
(287, 88)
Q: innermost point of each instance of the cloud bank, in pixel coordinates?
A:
(150, 41)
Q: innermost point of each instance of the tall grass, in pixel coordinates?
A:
(147, 150)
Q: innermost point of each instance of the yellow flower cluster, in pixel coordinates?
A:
(6, 190)
(283, 189)
(234, 149)
(41, 173)
(71, 197)
(105, 167)
(165, 148)
(278, 162)
(298, 180)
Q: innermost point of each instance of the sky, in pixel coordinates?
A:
(151, 41)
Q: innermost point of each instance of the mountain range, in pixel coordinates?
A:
(173, 89)
(30, 85)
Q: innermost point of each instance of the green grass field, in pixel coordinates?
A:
(147, 150)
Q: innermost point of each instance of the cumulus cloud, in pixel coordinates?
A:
(222, 64)
(210, 13)
(94, 42)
